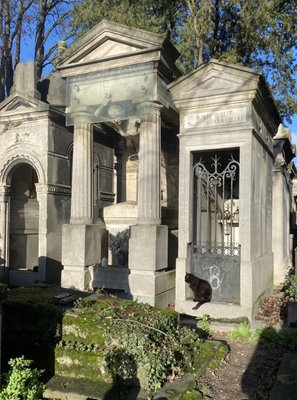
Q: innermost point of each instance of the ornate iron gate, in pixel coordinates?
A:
(215, 251)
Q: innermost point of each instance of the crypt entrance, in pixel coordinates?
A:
(23, 218)
(215, 250)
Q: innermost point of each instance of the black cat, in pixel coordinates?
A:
(201, 289)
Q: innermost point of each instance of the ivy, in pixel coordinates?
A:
(291, 287)
(22, 382)
(140, 342)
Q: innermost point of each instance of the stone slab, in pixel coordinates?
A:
(110, 278)
(214, 310)
(285, 386)
(65, 388)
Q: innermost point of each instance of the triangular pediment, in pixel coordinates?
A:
(109, 48)
(108, 40)
(214, 78)
(17, 102)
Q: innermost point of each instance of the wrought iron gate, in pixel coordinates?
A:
(215, 251)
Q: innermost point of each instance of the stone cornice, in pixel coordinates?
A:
(55, 189)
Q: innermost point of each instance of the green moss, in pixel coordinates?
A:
(209, 356)
(230, 320)
(83, 327)
(33, 294)
(192, 395)
(81, 364)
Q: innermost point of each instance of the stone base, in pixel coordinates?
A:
(22, 277)
(148, 259)
(216, 311)
(148, 247)
(154, 288)
(81, 247)
(110, 278)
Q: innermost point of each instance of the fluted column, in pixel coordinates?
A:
(149, 191)
(82, 175)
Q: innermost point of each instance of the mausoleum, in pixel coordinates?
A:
(117, 142)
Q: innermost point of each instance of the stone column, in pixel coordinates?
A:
(42, 193)
(148, 244)
(82, 175)
(81, 239)
(149, 190)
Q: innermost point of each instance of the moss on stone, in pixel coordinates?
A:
(81, 364)
(192, 395)
(209, 356)
(85, 327)
(35, 294)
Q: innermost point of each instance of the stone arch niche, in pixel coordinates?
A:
(23, 218)
(21, 225)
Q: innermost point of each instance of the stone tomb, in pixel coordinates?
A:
(227, 121)
(108, 143)
(117, 76)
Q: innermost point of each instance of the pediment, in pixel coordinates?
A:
(214, 78)
(108, 40)
(19, 103)
(109, 48)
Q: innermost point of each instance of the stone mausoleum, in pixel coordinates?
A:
(195, 170)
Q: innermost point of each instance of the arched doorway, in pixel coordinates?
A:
(24, 218)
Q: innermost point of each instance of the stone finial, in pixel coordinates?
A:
(25, 80)
(283, 133)
(62, 45)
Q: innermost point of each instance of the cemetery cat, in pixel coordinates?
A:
(201, 289)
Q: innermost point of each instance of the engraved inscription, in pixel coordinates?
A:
(224, 117)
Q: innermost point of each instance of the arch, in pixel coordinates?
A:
(23, 218)
(69, 151)
(13, 160)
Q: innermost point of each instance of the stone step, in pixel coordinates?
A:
(285, 386)
(65, 388)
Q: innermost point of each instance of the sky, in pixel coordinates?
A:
(293, 127)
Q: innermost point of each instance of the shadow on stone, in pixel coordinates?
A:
(123, 369)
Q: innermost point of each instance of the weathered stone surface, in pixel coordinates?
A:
(213, 105)
(285, 386)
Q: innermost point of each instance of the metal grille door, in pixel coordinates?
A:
(215, 249)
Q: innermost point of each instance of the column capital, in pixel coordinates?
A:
(80, 115)
(150, 108)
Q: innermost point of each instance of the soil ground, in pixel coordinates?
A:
(250, 369)
(248, 372)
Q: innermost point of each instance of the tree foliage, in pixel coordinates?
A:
(260, 35)
(21, 20)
